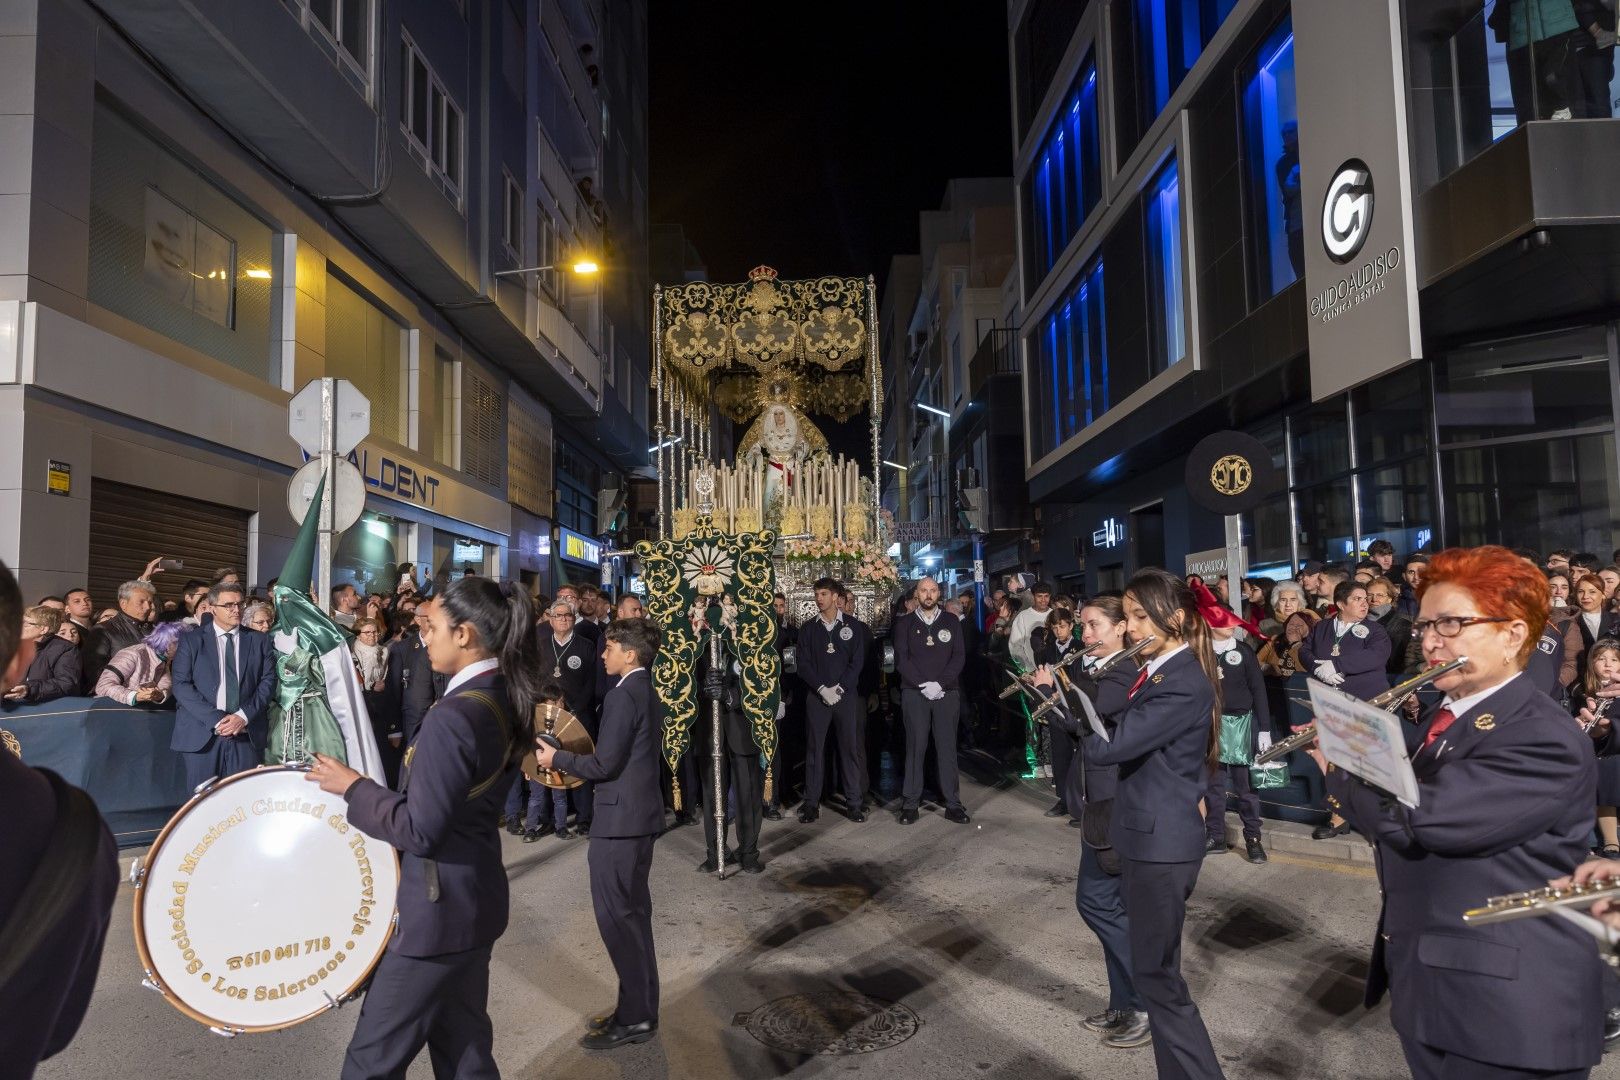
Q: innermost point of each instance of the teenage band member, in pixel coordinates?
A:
(1164, 743)
(1056, 644)
(1244, 714)
(928, 657)
(630, 815)
(1506, 795)
(432, 985)
(831, 651)
(1097, 895)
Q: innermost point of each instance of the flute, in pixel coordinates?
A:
(1389, 700)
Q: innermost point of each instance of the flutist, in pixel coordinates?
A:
(1506, 790)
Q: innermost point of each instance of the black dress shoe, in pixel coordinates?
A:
(1611, 1028)
(908, 816)
(807, 816)
(1255, 853)
(753, 866)
(1076, 823)
(1213, 846)
(960, 816)
(531, 835)
(1134, 1031)
(682, 817)
(583, 830)
(773, 814)
(1107, 1020)
(600, 1021)
(515, 827)
(615, 1035)
(857, 815)
(1329, 830)
(563, 834)
(1057, 809)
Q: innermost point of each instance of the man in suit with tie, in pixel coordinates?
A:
(629, 816)
(224, 676)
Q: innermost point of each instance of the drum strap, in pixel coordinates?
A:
(59, 879)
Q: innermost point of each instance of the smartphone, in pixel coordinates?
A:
(171, 564)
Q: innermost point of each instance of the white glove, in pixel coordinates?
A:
(781, 710)
(838, 694)
(930, 690)
(1336, 680)
(1605, 39)
(829, 695)
(1325, 671)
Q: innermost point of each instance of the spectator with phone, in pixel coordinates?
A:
(137, 600)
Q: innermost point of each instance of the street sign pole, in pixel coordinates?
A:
(1236, 565)
(328, 507)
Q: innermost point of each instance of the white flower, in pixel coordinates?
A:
(708, 568)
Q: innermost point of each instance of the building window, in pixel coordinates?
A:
(343, 29)
(1071, 361)
(512, 228)
(433, 123)
(1170, 35)
(365, 345)
(1065, 180)
(174, 253)
(547, 250)
(447, 445)
(1163, 213)
(1271, 158)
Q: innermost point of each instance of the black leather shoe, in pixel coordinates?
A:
(615, 1035)
(531, 835)
(1076, 823)
(1134, 1031)
(807, 816)
(682, 817)
(960, 816)
(707, 867)
(773, 814)
(600, 1021)
(1057, 809)
(1213, 846)
(1329, 830)
(1107, 1020)
(908, 816)
(563, 834)
(753, 866)
(515, 827)
(1255, 853)
(1611, 1028)
(858, 815)
(582, 830)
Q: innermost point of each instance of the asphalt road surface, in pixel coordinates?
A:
(932, 951)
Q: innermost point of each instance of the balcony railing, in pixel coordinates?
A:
(997, 354)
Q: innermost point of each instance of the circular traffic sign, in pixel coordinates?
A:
(348, 491)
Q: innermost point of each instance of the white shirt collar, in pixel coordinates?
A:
(838, 618)
(219, 632)
(1158, 661)
(925, 619)
(627, 674)
(470, 672)
(1223, 645)
(562, 642)
(1461, 706)
(1593, 619)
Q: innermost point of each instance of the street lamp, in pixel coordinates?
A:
(896, 465)
(582, 267)
(933, 409)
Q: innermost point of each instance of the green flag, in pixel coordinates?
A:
(319, 706)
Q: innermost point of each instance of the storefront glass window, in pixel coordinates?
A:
(1396, 505)
(1321, 442)
(1271, 158)
(1269, 523)
(1524, 387)
(1066, 179)
(1392, 416)
(1164, 274)
(1558, 492)
(1326, 527)
(368, 554)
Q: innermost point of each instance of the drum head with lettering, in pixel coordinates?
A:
(259, 905)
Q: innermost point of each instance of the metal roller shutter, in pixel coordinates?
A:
(129, 526)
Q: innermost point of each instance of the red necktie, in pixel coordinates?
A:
(1442, 720)
(1137, 685)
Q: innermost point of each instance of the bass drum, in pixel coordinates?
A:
(259, 906)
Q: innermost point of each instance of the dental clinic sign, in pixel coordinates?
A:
(1359, 273)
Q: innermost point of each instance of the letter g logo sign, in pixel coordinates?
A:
(1347, 211)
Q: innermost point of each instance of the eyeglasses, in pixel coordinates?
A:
(1449, 626)
(235, 605)
(562, 615)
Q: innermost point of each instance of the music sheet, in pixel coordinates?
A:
(1364, 740)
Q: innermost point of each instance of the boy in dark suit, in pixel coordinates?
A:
(629, 816)
(224, 676)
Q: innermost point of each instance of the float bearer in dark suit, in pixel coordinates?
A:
(1164, 744)
(739, 768)
(831, 652)
(223, 679)
(629, 817)
(928, 657)
(1349, 650)
(432, 985)
(1506, 795)
(51, 828)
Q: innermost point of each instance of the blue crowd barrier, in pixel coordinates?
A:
(119, 754)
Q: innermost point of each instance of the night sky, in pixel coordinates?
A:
(808, 136)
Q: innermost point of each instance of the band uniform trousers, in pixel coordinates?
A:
(844, 719)
(438, 1000)
(1097, 896)
(1066, 770)
(1233, 778)
(1156, 897)
(619, 868)
(1428, 1063)
(937, 718)
(742, 775)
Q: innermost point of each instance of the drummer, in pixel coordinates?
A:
(432, 986)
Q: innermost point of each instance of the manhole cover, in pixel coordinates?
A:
(832, 1022)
